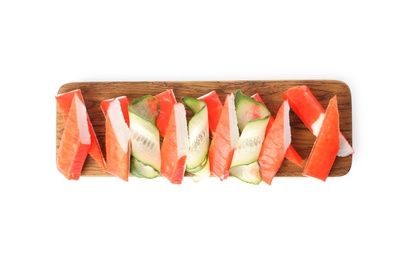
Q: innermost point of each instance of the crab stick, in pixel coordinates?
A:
(174, 148)
(224, 140)
(291, 153)
(166, 101)
(117, 136)
(312, 114)
(64, 102)
(75, 142)
(326, 145)
(214, 107)
(275, 144)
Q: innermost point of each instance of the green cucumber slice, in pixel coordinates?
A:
(248, 109)
(140, 170)
(199, 140)
(252, 118)
(145, 137)
(250, 143)
(204, 172)
(146, 107)
(249, 173)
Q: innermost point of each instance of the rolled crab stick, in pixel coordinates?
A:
(117, 136)
(75, 142)
(291, 153)
(275, 144)
(174, 147)
(311, 112)
(64, 102)
(224, 140)
(326, 145)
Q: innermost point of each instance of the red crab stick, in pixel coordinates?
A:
(312, 114)
(275, 144)
(224, 141)
(326, 145)
(174, 147)
(291, 154)
(75, 142)
(117, 136)
(166, 100)
(214, 108)
(64, 102)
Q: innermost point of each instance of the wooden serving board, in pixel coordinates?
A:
(270, 91)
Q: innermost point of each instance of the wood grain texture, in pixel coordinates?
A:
(270, 91)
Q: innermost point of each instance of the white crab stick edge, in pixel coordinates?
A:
(286, 122)
(119, 125)
(84, 135)
(234, 131)
(182, 132)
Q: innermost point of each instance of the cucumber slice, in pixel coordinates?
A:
(250, 143)
(199, 167)
(203, 172)
(145, 137)
(248, 109)
(146, 107)
(249, 173)
(139, 169)
(252, 118)
(198, 128)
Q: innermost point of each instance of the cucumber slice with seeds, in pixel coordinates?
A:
(250, 142)
(145, 137)
(198, 128)
(248, 109)
(252, 118)
(138, 169)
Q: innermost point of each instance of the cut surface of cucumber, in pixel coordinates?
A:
(140, 170)
(199, 140)
(248, 109)
(249, 173)
(252, 118)
(250, 142)
(145, 137)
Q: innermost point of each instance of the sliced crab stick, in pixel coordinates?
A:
(291, 154)
(275, 144)
(224, 140)
(326, 145)
(117, 136)
(312, 114)
(64, 102)
(76, 141)
(175, 146)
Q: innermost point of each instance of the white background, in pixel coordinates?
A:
(364, 215)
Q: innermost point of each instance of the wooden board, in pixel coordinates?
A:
(270, 91)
